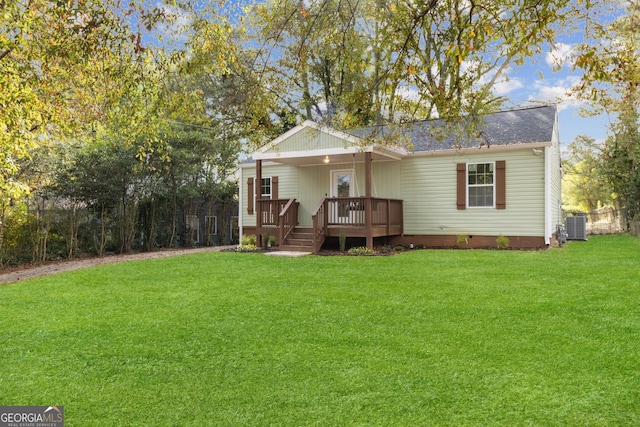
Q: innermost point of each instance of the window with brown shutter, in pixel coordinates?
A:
(481, 185)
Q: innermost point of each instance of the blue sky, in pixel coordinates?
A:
(549, 76)
(540, 80)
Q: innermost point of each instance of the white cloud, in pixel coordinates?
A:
(561, 54)
(409, 93)
(176, 24)
(505, 86)
(556, 91)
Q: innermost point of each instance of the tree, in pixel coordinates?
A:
(51, 58)
(585, 183)
(70, 70)
(104, 177)
(62, 66)
(622, 162)
(363, 62)
(611, 83)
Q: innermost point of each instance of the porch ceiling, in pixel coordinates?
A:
(332, 156)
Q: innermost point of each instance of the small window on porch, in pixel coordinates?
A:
(265, 188)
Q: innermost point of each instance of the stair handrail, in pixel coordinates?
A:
(288, 219)
(319, 218)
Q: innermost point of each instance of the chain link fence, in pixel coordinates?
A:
(606, 220)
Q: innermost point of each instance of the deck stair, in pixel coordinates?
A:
(299, 240)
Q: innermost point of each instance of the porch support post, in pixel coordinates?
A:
(258, 189)
(367, 174)
(368, 201)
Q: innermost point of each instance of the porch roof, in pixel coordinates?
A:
(329, 146)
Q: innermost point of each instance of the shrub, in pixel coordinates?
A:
(386, 249)
(17, 244)
(502, 242)
(398, 248)
(360, 250)
(248, 240)
(248, 243)
(462, 239)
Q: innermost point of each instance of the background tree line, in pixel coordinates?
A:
(132, 113)
(108, 141)
(608, 172)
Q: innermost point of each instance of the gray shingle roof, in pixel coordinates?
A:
(526, 125)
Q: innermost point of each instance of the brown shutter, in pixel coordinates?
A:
(461, 189)
(274, 187)
(250, 195)
(501, 180)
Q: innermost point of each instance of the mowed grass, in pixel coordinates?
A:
(426, 337)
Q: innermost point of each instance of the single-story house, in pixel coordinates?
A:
(403, 185)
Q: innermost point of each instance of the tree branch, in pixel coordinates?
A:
(4, 53)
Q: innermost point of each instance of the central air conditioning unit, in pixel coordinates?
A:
(576, 227)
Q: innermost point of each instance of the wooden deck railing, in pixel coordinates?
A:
(281, 214)
(288, 219)
(363, 216)
(270, 210)
(319, 218)
(352, 212)
(387, 213)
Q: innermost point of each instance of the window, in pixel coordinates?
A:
(193, 228)
(211, 222)
(480, 185)
(268, 190)
(265, 188)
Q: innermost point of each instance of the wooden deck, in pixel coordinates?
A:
(366, 217)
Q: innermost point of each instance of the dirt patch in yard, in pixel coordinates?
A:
(31, 271)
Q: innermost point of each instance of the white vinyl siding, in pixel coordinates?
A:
(429, 194)
(308, 139)
(287, 186)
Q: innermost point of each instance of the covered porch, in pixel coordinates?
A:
(365, 217)
(324, 196)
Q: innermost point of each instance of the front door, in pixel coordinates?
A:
(342, 185)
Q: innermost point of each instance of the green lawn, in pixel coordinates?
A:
(426, 337)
